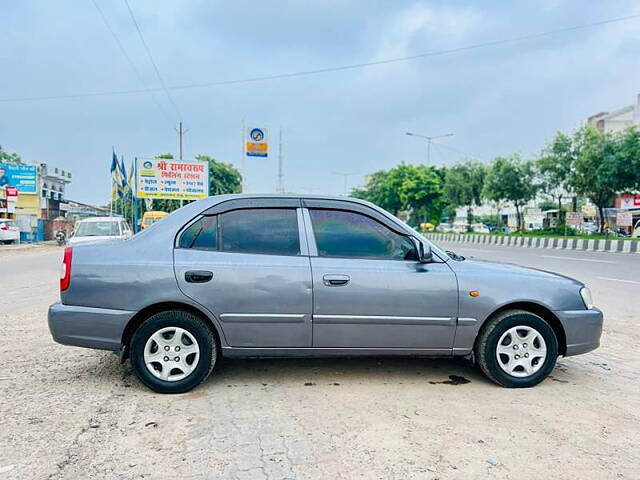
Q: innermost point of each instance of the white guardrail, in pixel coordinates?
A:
(568, 243)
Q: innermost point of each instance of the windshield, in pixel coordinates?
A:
(98, 229)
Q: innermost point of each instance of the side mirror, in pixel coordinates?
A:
(425, 255)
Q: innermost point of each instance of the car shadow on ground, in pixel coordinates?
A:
(332, 371)
(106, 370)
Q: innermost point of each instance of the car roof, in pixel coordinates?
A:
(102, 219)
(230, 196)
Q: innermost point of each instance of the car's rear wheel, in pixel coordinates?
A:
(517, 348)
(173, 351)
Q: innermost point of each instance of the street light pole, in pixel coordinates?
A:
(428, 138)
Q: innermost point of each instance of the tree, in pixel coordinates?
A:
(463, 185)
(379, 190)
(510, 179)
(624, 167)
(223, 177)
(6, 157)
(421, 194)
(554, 168)
(416, 189)
(595, 168)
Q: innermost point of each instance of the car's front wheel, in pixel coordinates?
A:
(173, 351)
(517, 348)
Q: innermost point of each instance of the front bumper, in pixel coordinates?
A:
(582, 329)
(100, 328)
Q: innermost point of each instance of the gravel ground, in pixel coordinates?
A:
(76, 413)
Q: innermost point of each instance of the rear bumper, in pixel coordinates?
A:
(89, 327)
(582, 329)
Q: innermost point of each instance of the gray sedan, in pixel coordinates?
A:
(284, 276)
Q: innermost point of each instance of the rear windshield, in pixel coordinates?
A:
(98, 229)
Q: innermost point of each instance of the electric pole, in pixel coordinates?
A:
(181, 133)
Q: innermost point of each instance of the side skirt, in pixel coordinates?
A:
(235, 352)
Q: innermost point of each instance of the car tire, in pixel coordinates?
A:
(160, 372)
(501, 348)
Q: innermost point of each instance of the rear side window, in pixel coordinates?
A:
(202, 234)
(348, 234)
(272, 231)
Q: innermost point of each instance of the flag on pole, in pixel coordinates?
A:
(130, 180)
(123, 175)
(116, 174)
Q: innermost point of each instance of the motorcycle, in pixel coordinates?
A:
(61, 237)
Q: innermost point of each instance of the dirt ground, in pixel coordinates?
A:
(76, 413)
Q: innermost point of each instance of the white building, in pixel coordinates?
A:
(618, 120)
(53, 182)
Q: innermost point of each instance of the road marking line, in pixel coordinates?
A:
(619, 280)
(578, 259)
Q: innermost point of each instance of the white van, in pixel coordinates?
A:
(100, 228)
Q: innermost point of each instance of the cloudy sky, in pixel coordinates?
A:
(496, 100)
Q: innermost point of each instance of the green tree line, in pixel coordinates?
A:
(586, 163)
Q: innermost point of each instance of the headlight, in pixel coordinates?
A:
(585, 293)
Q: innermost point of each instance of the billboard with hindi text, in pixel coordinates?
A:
(21, 176)
(171, 179)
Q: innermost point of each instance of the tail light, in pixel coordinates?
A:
(65, 272)
(4, 226)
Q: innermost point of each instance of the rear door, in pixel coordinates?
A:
(369, 289)
(248, 264)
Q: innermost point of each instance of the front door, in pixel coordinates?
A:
(247, 267)
(369, 290)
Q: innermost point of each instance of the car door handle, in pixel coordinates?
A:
(335, 280)
(198, 276)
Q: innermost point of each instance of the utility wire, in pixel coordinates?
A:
(458, 151)
(153, 62)
(129, 60)
(354, 66)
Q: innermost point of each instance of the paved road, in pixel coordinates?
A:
(76, 413)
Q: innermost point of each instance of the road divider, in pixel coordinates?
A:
(568, 243)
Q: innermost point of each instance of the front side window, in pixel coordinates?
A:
(271, 231)
(340, 233)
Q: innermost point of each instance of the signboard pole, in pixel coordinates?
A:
(244, 154)
(280, 179)
(134, 194)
